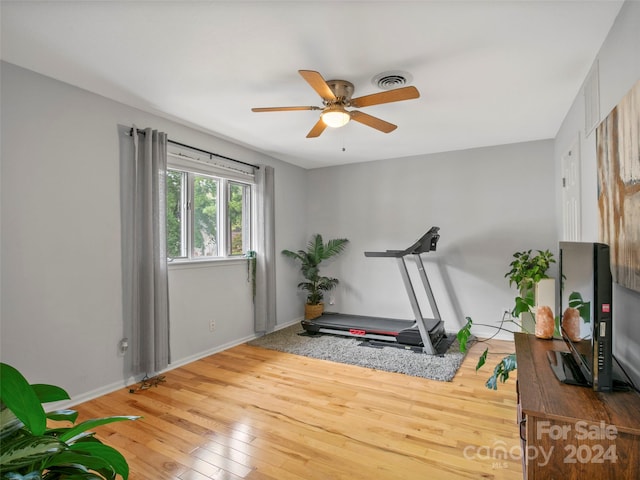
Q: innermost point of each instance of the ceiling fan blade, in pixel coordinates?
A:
(317, 129)
(404, 93)
(318, 83)
(283, 109)
(372, 121)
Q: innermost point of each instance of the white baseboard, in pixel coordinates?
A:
(288, 324)
(487, 332)
(104, 390)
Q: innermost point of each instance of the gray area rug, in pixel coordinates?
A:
(349, 350)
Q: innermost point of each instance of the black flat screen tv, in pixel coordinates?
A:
(585, 291)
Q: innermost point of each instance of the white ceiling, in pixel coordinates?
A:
(489, 72)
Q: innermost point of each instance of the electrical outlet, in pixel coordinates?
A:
(212, 325)
(506, 313)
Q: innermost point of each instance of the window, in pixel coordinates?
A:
(208, 214)
(238, 219)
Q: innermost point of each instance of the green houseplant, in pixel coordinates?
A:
(310, 259)
(252, 259)
(526, 270)
(503, 367)
(31, 450)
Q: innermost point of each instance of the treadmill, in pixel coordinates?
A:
(424, 334)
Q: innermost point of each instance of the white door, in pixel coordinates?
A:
(571, 211)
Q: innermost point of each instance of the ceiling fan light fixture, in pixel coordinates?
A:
(335, 116)
(336, 96)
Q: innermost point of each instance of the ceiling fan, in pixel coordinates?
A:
(336, 98)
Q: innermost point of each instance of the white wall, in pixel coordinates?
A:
(61, 302)
(488, 202)
(619, 69)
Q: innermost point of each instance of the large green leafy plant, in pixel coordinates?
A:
(30, 449)
(310, 259)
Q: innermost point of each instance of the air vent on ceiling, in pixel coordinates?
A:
(391, 80)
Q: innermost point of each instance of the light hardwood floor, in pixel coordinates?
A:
(258, 414)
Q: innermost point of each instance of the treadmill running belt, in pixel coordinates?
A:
(341, 321)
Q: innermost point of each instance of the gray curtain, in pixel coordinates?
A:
(144, 252)
(265, 301)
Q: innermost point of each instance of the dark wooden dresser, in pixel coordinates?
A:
(571, 432)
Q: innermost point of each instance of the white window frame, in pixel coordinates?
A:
(247, 215)
(226, 175)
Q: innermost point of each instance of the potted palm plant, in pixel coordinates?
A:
(310, 259)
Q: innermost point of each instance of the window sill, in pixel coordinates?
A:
(209, 263)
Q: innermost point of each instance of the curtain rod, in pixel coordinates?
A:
(211, 154)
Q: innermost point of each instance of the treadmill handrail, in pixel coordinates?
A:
(426, 243)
